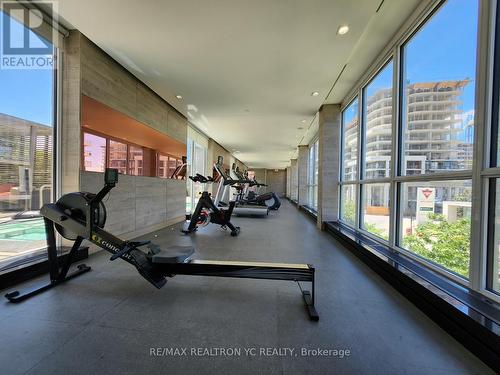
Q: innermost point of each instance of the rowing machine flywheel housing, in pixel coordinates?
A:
(76, 205)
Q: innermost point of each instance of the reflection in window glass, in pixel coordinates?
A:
(376, 209)
(495, 266)
(162, 166)
(135, 160)
(438, 95)
(436, 222)
(350, 126)
(498, 126)
(377, 112)
(27, 107)
(197, 157)
(118, 156)
(316, 170)
(172, 164)
(348, 204)
(312, 176)
(94, 153)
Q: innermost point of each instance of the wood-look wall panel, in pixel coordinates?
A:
(276, 181)
(176, 125)
(105, 80)
(138, 204)
(151, 110)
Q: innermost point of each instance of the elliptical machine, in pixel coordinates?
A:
(248, 197)
(206, 210)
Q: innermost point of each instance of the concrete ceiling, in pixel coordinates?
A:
(245, 69)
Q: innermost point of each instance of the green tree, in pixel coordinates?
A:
(443, 242)
(349, 215)
(349, 211)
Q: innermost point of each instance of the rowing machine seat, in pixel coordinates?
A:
(173, 254)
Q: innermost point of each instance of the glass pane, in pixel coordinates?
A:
(310, 172)
(172, 164)
(162, 166)
(198, 167)
(348, 204)
(376, 209)
(118, 156)
(438, 95)
(135, 158)
(495, 266)
(377, 112)
(436, 222)
(189, 172)
(315, 197)
(27, 105)
(350, 126)
(316, 162)
(94, 153)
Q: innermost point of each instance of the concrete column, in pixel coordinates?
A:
(302, 168)
(294, 180)
(70, 131)
(329, 163)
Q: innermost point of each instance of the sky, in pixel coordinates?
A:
(444, 49)
(26, 93)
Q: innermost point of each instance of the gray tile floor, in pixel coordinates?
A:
(106, 321)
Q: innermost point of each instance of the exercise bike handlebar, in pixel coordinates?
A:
(230, 181)
(201, 179)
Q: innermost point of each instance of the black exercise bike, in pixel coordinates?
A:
(207, 212)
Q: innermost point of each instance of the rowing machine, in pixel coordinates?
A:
(79, 216)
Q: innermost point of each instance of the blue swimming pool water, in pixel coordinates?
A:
(22, 230)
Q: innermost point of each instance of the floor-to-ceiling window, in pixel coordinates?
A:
(491, 177)
(27, 128)
(349, 174)
(196, 159)
(415, 190)
(376, 153)
(312, 175)
(437, 128)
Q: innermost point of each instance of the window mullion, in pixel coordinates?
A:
(360, 158)
(482, 115)
(396, 94)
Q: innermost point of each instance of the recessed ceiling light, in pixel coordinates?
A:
(342, 29)
(315, 93)
(179, 97)
(303, 121)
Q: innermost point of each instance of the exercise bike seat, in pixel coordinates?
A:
(173, 254)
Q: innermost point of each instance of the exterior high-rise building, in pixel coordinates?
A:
(434, 124)
(437, 135)
(25, 163)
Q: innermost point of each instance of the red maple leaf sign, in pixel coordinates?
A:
(427, 193)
